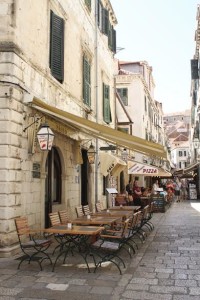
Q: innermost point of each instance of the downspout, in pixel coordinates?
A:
(97, 110)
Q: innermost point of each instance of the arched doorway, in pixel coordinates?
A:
(84, 178)
(53, 182)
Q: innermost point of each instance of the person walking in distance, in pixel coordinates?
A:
(177, 189)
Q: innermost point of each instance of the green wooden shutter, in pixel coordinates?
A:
(114, 42)
(57, 47)
(105, 21)
(106, 104)
(86, 81)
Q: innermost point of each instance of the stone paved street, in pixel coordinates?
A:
(165, 267)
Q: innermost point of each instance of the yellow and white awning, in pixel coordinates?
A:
(137, 168)
(110, 163)
(100, 131)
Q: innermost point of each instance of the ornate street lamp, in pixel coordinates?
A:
(196, 143)
(124, 155)
(45, 137)
(91, 154)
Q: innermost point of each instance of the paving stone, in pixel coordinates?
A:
(145, 296)
(9, 291)
(103, 290)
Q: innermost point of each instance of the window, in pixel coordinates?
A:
(88, 4)
(123, 95)
(125, 130)
(57, 47)
(86, 81)
(106, 27)
(179, 165)
(180, 153)
(185, 153)
(106, 104)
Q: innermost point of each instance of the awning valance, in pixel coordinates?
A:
(137, 168)
(187, 170)
(101, 131)
(110, 163)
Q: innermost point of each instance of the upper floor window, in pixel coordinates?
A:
(185, 153)
(86, 81)
(123, 92)
(180, 153)
(88, 4)
(57, 47)
(106, 104)
(106, 27)
(125, 130)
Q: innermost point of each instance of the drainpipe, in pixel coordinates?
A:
(97, 110)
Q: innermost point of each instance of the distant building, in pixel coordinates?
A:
(177, 128)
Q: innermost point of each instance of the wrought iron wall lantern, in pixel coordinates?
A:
(91, 153)
(124, 155)
(196, 143)
(45, 135)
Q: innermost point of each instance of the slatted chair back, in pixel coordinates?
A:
(64, 217)
(54, 218)
(98, 207)
(86, 210)
(22, 228)
(79, 211)
(32, 244)
(145, 212)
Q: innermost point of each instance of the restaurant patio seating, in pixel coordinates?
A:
(64, 217)
(99, 206)
(79, 211)
(60, 238)
(108, 246)
(86, 210)
(32, 243)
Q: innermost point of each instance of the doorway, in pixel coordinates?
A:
(53, 182)
(84, 178)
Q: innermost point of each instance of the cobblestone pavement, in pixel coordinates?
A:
(165, 267)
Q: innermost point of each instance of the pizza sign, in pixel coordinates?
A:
(150, 170)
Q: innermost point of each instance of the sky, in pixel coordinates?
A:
(161, 32)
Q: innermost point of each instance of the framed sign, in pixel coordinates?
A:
(36, 170)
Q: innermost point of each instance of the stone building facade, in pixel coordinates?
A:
(47, 54)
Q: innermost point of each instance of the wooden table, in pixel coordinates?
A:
(96, 220)
(123, 214)
(122, 208)
(77, 238)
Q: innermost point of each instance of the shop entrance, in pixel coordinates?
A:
(53, 183)
(84, 178)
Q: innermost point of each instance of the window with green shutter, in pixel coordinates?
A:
(106, 104)
(57, 47)
(123, 92)
(105, 21)
(86, 81)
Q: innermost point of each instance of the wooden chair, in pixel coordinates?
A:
(79, 211)
(107, 247)
(86, 210)
(32, 243)
(54, 218)
(60, 238)
(64, 217)
(99, 207)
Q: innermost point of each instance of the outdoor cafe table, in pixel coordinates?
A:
(76, 236)
(96, 220)
(122, 208)
(123, 214)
